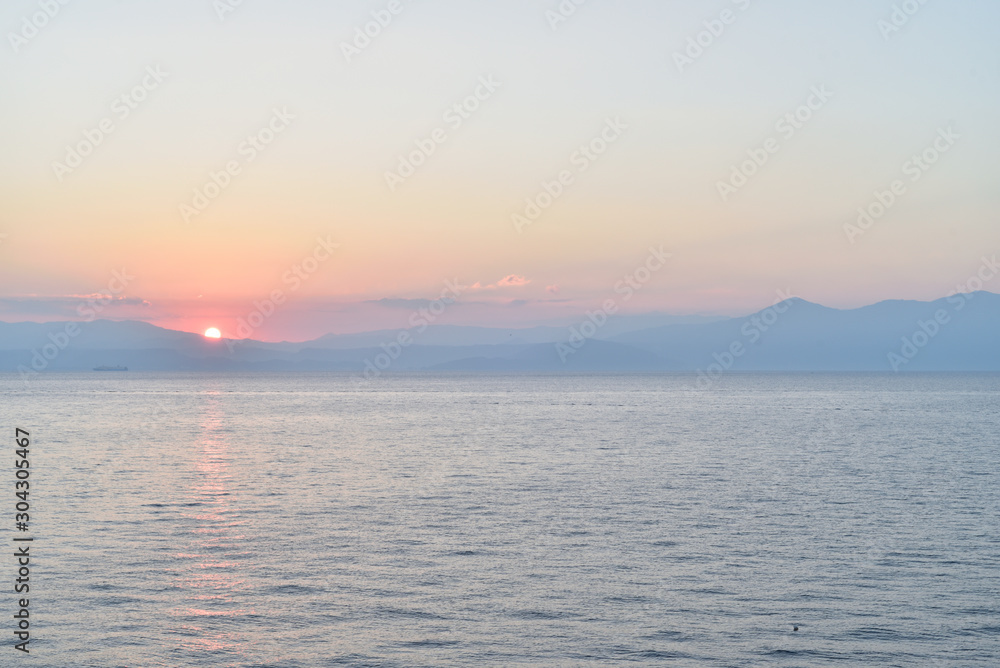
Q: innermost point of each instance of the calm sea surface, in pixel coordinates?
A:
(312, 520)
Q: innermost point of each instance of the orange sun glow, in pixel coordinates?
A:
(213, 333)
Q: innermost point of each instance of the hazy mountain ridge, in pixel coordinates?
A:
(958, 333)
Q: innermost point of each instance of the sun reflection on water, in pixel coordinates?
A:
(211, 572)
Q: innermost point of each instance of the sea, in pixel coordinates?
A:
(286, 520)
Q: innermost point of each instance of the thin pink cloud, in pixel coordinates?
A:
(513, 281)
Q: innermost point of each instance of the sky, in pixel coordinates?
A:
(205, 163)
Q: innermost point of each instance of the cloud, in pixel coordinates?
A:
(552, 289)
(67, 306)
(511, 281)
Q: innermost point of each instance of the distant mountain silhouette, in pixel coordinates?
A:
(958, 333)
(810, 337)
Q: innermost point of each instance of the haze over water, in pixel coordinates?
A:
(311, 520)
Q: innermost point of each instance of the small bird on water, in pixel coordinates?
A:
(795, 628)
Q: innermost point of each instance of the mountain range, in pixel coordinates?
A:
(957, 333)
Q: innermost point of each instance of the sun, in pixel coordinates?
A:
(213, 333)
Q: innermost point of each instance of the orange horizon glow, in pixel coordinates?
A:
(172, 216)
